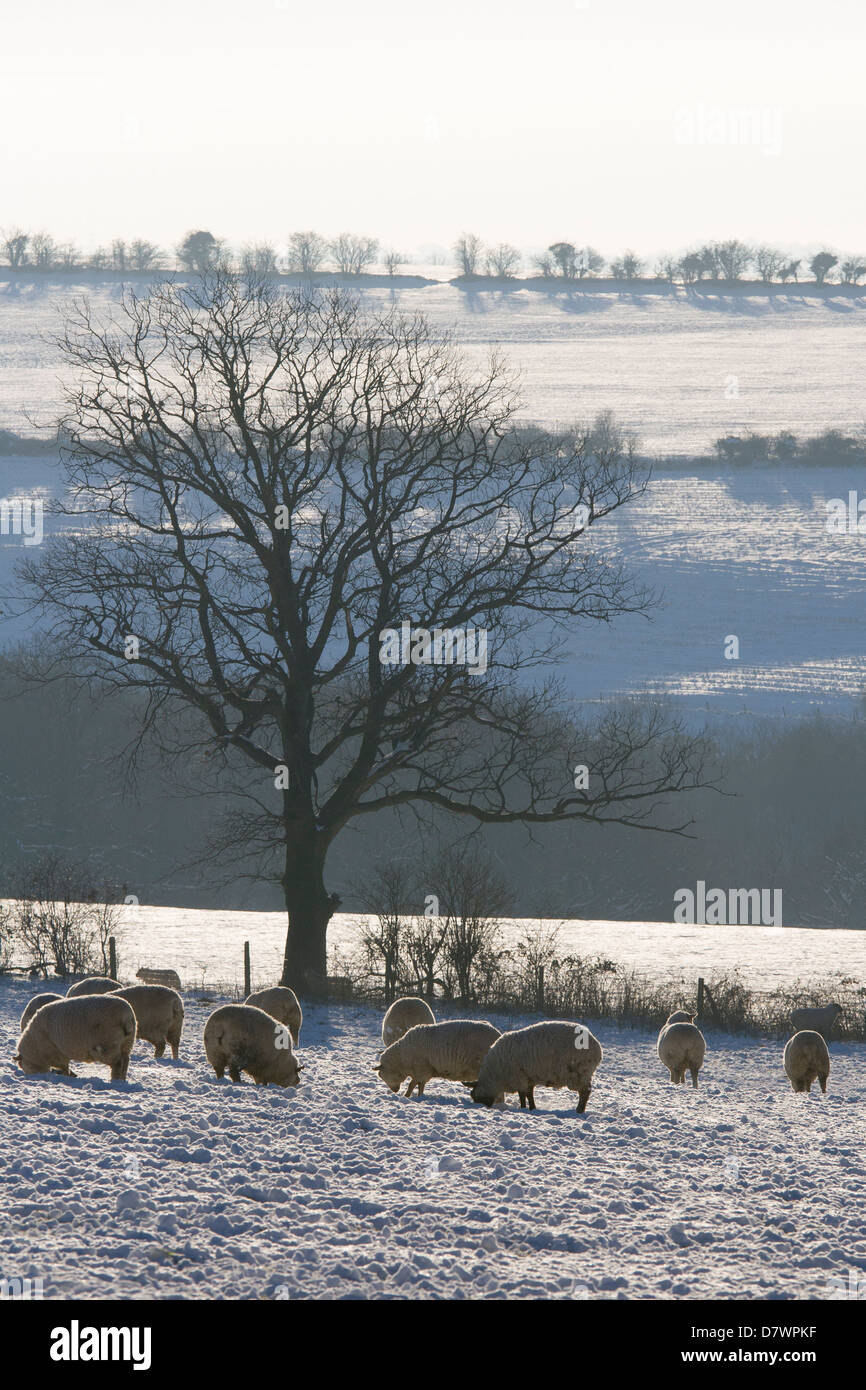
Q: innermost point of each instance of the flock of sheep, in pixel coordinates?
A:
(98, 1021)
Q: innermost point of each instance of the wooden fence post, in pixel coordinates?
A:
(700, 995)
(112, 957)
(248, 989)
(539, 989)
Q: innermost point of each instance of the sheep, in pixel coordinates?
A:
(240, 1037)
(94, 984)
(681, 1047)
(403, 1015)
(681, 1016)
(33, 1004)
(158, 1015)
(93, 1028)
(806, 1058)
(553, 1054)
(451, 1050)
(169, 978)
(817, 1020)
(281, 1003)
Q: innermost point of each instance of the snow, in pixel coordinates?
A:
(680, 370)
(175, 1185)
(205, 946)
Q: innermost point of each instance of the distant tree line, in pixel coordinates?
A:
(728, 262)
(307, 253)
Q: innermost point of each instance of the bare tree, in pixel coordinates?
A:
(67, 255)
(789, 271)
(730, 259)
(15, 243)
(119, 255)
(852, 270)
(393, 261)
(821, 265)
(587, 261)
(352, 254)
(42, 249)
(307, 251)
(144, 255)
(769, 263)
(544, 264)
(468, 251)
(627, 267)
(98, 259)
(668, 268)
(258, 258)
(290, 522)
(503, 260)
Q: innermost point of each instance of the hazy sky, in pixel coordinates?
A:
(614, 122)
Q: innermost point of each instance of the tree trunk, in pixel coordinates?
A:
(310, 908)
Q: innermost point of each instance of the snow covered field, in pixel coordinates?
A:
(680, 370)
(175, 1185)
(205, 946)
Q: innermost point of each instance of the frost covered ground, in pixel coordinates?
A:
(205, 946)
(174, 1185)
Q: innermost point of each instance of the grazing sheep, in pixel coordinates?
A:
(403, 1015)
(240, 1037)
(553, 1054)
(36, 1003)
(817, 1020)
(451, 1050)
(94, 1028)
(281, 1003)
(169, 978)
(158, 1015)
(681, 1047)
(807, 1057)
(94, 984)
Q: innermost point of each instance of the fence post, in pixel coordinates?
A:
(248, 989)
(112, 957)
(539, 988)
(700, 995)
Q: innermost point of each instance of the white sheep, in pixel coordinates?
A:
(806, 1059)
(240, 1037)
(404, 1014)
(94, 984)
(158, 1015)
(281, 1003)
(453, 1051)
(553, 1053)
(681, 1047)
(818, 1020)
(169, 978)
(33, 1004)
(681, 1016)
(94, 1028)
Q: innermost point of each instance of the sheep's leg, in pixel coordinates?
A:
(822, 1077)
(421, 1085)
(521, 1095)
(410, 1088)
(159, 1048)
(693, 1071)
(175, 1047)
(531, 1094)
(583, 1096)
(234, 1073)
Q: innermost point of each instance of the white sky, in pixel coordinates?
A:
(612, 122)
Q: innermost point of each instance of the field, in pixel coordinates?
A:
(677, 370)
(175, 1185)
(205, 946)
